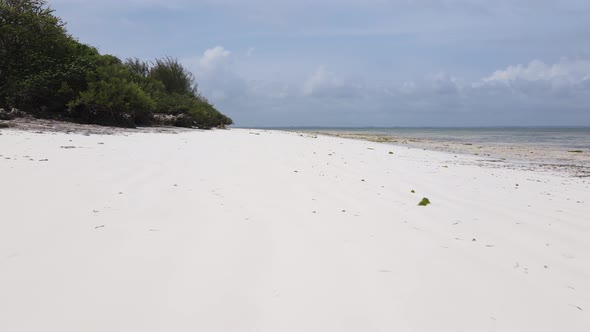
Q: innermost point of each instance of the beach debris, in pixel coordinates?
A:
(413, 191)
(100, 143)
(97, 227)
(576, 151)
(425, 201)
(43, 159)
(370, 149)
(67, 147)
(363, 180)
(390, 152)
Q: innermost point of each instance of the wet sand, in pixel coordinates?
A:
(571, 161)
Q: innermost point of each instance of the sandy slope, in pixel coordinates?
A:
(236, 231)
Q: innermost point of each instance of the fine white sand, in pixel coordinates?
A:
(250, 230)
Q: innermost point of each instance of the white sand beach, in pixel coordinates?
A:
(254, 230)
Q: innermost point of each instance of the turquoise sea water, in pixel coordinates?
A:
(553, 137)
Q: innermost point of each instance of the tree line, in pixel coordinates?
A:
(46, 72)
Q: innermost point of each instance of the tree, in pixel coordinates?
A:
(174, 76)
(112, 92)
(41, 66)
(139, 67)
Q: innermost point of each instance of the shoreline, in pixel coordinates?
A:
(512, 156)
(529, 157)
(532, 157)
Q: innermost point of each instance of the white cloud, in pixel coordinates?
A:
(566, 71)
(566, 78)
(213, 57)
(218, 80)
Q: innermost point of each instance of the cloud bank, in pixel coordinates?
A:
(365, 63)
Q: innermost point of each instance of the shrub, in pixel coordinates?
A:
(174, 76)
(112, 91)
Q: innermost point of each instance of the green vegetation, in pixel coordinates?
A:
(576, 151)
(47, 73)
(425, 201)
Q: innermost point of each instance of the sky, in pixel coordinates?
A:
(362, 62)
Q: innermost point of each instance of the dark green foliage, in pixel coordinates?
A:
(112, 90)
(576, 151)
(174, 76)
(40, 65)
(138, 67)
(413, 191)
(425, 201)
(46, 72)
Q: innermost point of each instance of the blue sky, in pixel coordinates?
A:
(362, 63)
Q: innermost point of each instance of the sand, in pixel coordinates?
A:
(252, 230)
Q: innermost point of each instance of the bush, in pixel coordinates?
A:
(174, 76)
(41, 67)
(112, 91)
